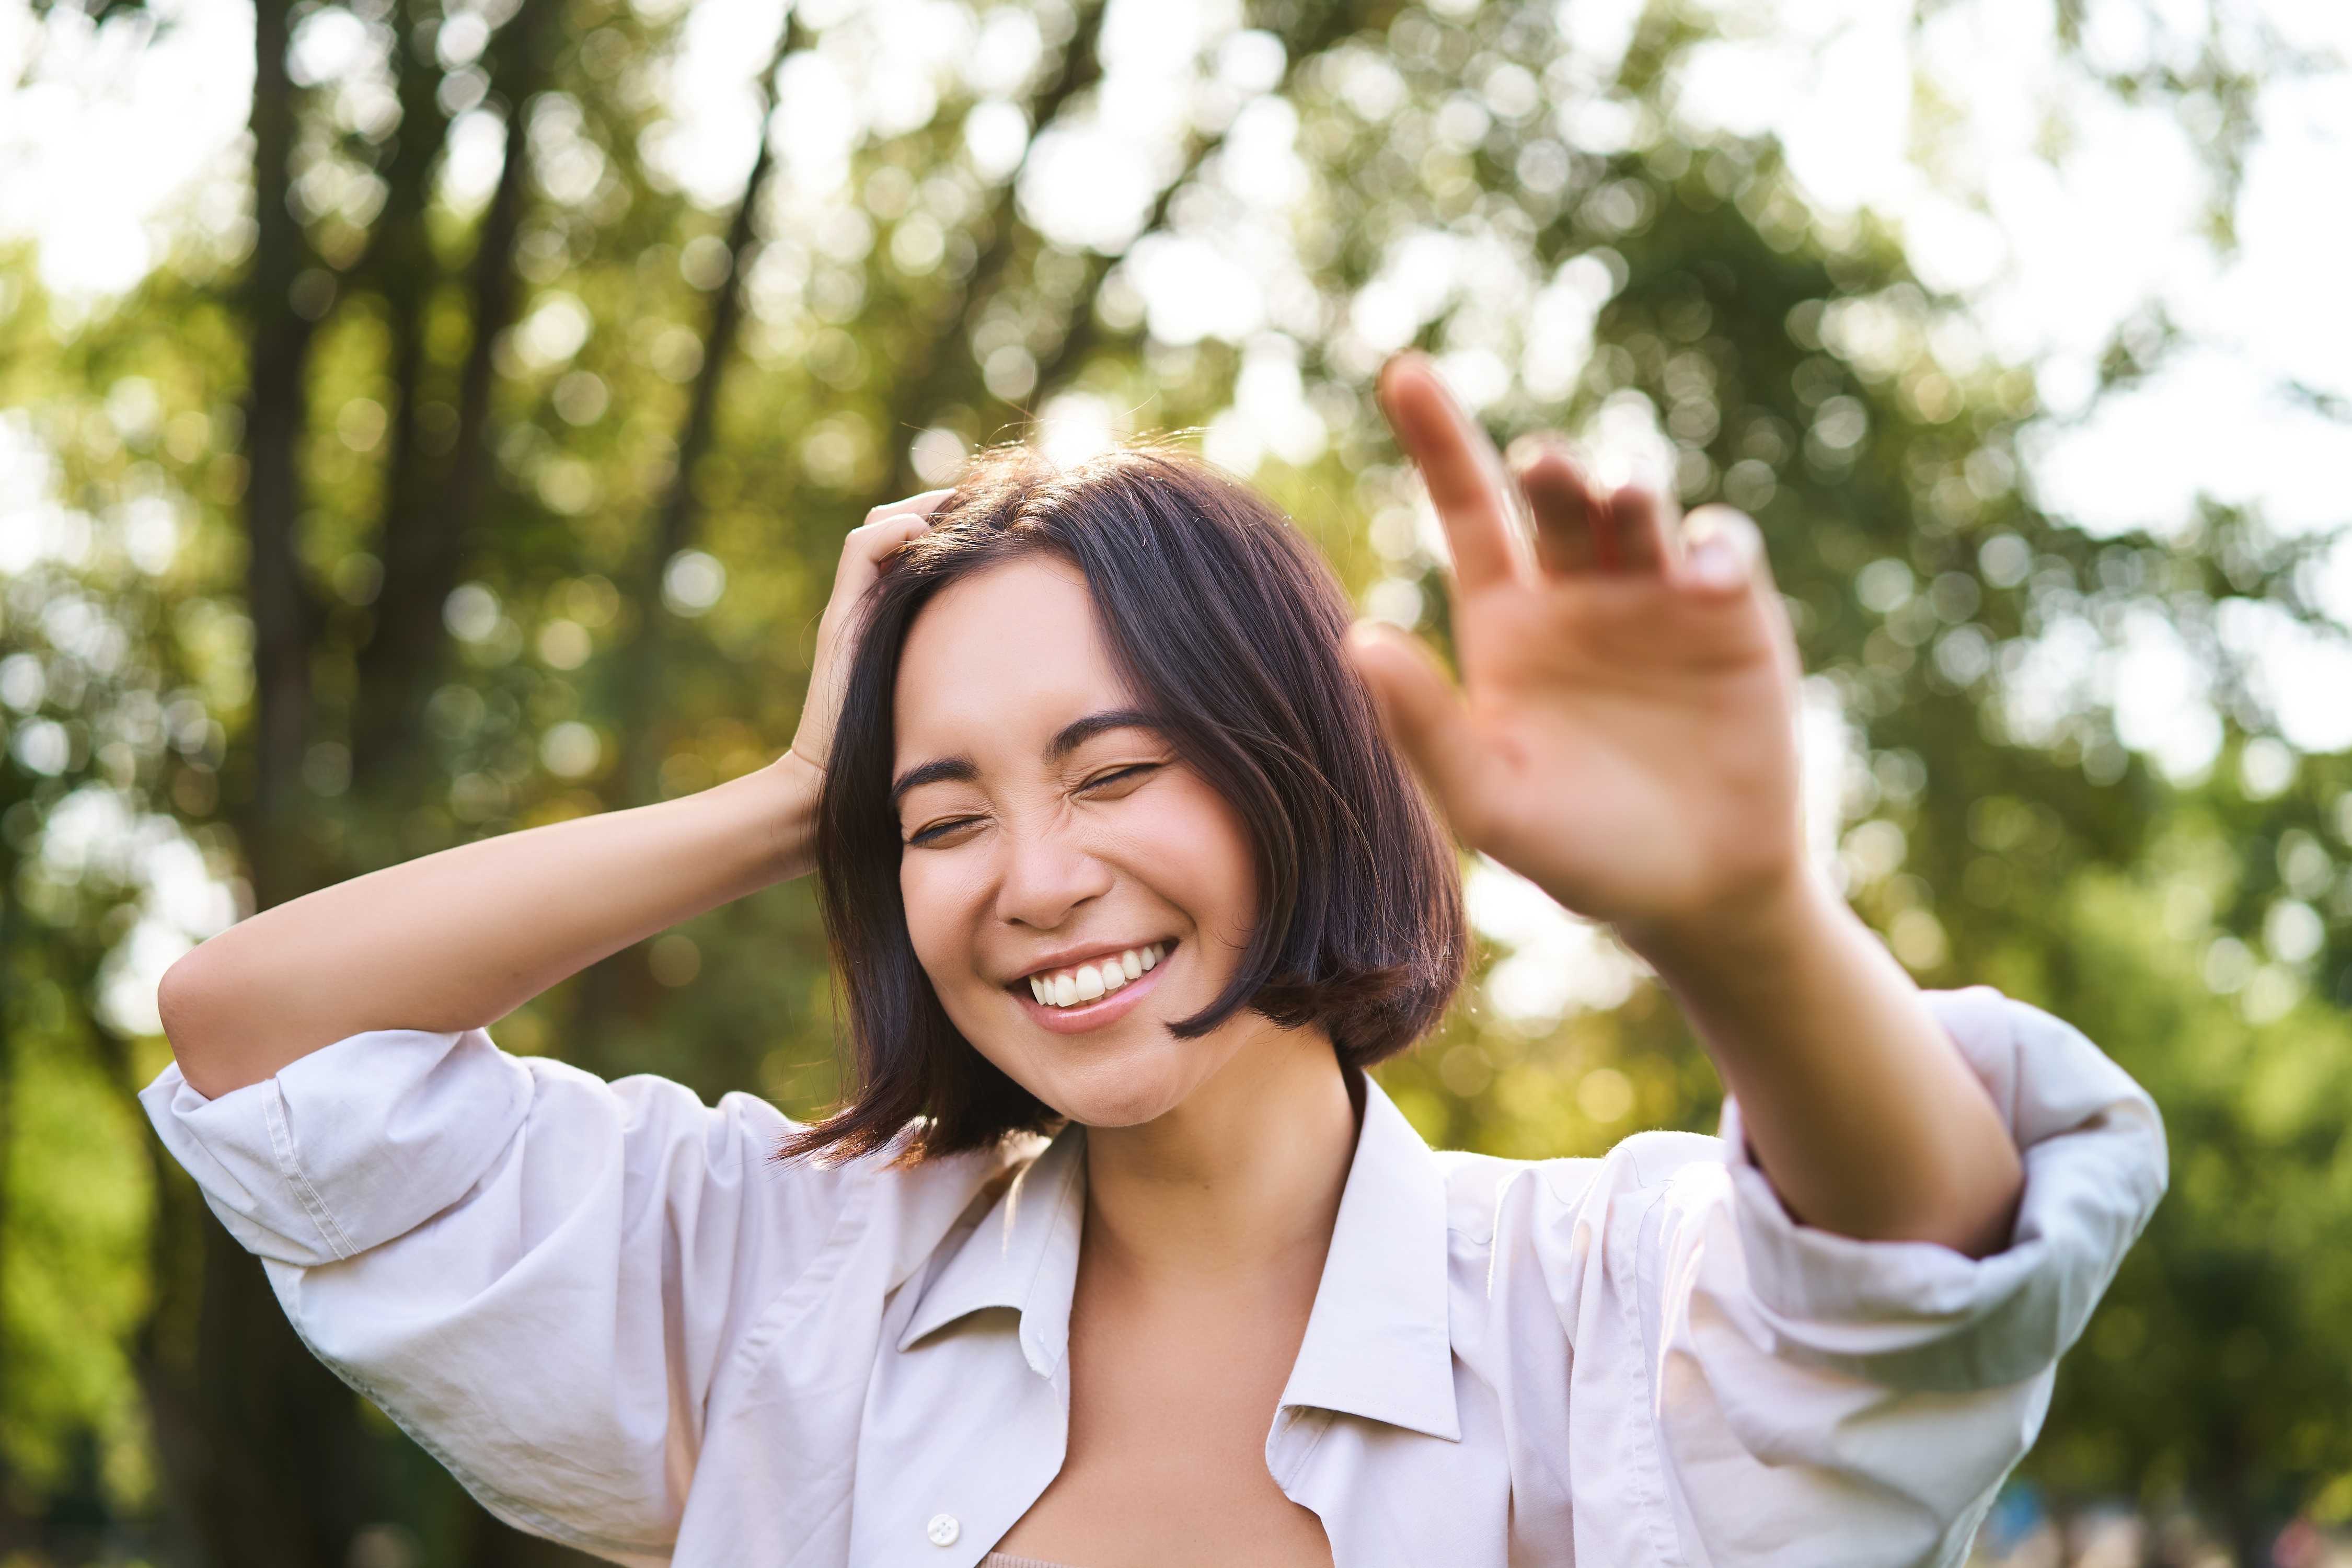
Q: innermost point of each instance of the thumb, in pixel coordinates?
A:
(1425, 717)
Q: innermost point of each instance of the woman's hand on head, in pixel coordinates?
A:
(863, 553)
(1625, 732)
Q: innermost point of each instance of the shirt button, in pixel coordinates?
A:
(943, 1530)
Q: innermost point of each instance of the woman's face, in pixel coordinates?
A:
(1050, 836)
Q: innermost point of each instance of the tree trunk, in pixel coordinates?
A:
(278, 600)
(424, 544)
(262, 1446)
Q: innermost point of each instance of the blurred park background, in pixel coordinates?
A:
(424, 418)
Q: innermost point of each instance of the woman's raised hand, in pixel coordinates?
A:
(1625, 733)
(1625, 737)
(862, 553)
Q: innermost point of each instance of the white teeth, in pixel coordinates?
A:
(1088, 981)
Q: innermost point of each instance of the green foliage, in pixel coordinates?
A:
(410, 526)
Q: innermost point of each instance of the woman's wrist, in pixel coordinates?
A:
(1855, 1099)
(793, 784)
(1739, 948)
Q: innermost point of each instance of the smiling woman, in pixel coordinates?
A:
(1102, 711)
(1117, 843)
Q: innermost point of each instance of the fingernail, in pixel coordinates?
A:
(1529, 451)
(1717, 561)
(1388, 374)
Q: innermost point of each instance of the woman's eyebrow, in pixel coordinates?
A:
(938, 770)
(1068, 739)
(1078, 731)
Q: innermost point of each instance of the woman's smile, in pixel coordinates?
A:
(1071, 998)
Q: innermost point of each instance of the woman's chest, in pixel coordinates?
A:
(912, 1428)
(976, 1430)
(1170, 1408)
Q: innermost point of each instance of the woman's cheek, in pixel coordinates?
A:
(1202, 847)
(927, 892)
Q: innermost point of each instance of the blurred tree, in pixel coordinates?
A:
(493, 475)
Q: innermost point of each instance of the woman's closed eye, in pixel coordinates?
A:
(1113, 783)
(1118, 781)
(932, 833)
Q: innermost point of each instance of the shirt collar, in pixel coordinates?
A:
(1022, 1254)
(1378, 1343)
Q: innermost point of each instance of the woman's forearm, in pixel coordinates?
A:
(460, 938)
(1855, 1101)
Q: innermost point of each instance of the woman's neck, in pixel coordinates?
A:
(1245, 1173)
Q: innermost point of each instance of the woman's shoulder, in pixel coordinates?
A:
(909, 1207)
(1489, 1196)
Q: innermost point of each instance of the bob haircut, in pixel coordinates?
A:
(1227, 628)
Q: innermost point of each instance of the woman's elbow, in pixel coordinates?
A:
(187, 1001)
(176, 1001)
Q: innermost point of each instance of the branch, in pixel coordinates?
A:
(1304, 38)
(1084, 330)
(644, 737)
(944, 361)
(681, 509)
(424, 543)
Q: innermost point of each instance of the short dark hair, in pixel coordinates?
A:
(1228, 627)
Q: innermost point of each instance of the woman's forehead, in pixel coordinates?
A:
(1008, 654)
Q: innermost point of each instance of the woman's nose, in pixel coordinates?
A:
(1046, 875)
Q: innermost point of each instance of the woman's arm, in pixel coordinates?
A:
(1626, 738)
(1853, 1099)
(459, 938)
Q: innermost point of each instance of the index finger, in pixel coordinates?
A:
(888, 526)
(921, 505)
(1460, 466)
(865, 547)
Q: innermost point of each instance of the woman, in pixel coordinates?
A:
(1112, 841)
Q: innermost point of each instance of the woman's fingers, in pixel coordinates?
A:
(888, 527)
(1573, 529)
(1723, 563)
(921, 505)
(1722, 553)
(1644, 529)
(1424, 716)
(870, 542)
(1463, 471)
(1581, 528)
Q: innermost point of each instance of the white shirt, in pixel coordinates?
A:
(620, 1323)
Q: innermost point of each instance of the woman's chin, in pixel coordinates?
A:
(1130, 1103)
(1125, 1111)
(1119, 1089)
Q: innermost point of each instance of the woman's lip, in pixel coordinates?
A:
(1086, 1016)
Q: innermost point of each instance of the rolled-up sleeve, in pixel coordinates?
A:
(1917, 1315)
(538, 1274)
(350, 1146)
(1822, 1401)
